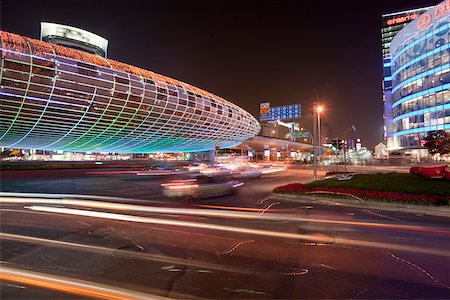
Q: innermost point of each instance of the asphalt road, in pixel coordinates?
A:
(247, 245)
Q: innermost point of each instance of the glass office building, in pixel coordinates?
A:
(57, 98)
(420, 71)
(391, 24)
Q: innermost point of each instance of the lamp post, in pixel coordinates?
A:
(314, 143)
(317, 109)
(320, 109)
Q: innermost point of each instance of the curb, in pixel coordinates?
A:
(409, 208)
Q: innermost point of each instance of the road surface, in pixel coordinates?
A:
(248, 245)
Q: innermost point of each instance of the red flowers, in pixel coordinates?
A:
(298, 188)
(291, 188)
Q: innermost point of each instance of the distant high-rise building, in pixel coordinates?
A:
(391, 24)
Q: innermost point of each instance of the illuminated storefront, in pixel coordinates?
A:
(56, 98)
(420, 100)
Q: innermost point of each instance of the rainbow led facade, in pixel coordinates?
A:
(55, 98)
(420, 69)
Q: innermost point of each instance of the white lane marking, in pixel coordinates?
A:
(301, 272)
(265, 199)
(235, 247)
(359, 294)
(382, 216)
(327, 267)
(419, 269)
(268, 207)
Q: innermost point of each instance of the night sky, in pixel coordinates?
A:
(247, 52)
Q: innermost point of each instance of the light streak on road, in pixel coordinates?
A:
(110, 252)
(243, 230)
(272, 170)
(70, 285)
(219, 211)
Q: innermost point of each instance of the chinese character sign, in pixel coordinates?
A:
(264, 108)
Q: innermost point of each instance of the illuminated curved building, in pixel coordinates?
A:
(420, 56)
(56, 98)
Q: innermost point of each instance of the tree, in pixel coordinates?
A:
(437, 141)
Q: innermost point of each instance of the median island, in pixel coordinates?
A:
(390, 187)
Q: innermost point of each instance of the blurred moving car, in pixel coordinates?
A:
(271, 169)
(195, 167)
(201, 186)
(158, 170)
(247, 173)
(216, 171)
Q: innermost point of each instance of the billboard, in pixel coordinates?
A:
(264, 108)
(286, 112)
(77, 34)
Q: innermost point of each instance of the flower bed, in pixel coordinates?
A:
(423, 199)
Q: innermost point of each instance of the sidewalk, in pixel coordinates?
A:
(441, 211)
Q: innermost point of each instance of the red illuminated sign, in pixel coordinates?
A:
(442, 9)
(400, 20)
(439, 11)
(424, 21)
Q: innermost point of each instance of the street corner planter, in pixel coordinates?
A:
(433, 170)
(447, 173)
(415, 170)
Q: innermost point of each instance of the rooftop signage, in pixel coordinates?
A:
(433, 16)
(287, 112)
(73, 33)
(403, 19)
(438, 12)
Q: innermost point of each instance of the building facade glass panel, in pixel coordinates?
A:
(392, 23)
(56, 98)
(420, 71)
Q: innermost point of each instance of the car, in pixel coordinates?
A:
(195, 167)
(158, 170)
(216, 171)
(201, 186)
(247, 173)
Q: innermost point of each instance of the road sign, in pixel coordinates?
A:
(300, 134)
(281, 113)
(264, 108)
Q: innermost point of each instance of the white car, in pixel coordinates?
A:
(195, 167)
(201, 186)
(247, 173)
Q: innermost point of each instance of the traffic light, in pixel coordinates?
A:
(337, 144)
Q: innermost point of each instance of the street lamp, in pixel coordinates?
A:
(320, 109)
(317, 109)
